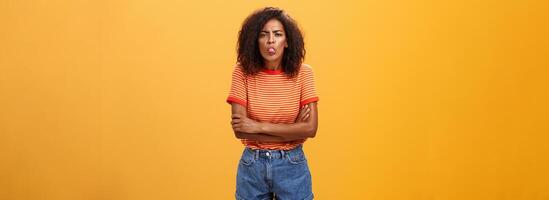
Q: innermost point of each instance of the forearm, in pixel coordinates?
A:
(304, 127)
(298, 130)
(260, 137)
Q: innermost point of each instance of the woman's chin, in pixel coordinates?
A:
(270, 58)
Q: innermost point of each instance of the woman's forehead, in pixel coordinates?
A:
(273, 25)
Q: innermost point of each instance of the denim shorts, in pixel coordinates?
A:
(273, 174)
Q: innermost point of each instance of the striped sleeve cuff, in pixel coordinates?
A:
(231, 99)
(309, 100)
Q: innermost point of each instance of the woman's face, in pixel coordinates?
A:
(272, 41)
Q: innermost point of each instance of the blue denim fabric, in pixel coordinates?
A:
(273, 174)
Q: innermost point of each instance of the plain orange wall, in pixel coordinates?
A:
(419, 100)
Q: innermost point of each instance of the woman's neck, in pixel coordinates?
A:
(272, 65)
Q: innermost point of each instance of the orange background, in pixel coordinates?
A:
(418, 99)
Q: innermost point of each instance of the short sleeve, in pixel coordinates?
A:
(238, 93)
(308, 90)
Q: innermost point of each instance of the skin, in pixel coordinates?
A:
(272, 35)
(306, 123)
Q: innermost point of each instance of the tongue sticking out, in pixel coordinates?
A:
(271, 50)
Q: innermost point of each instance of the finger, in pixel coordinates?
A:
(236, 116)
(235, 121)
(306, 117)
(307, 110)
(304, 110)
(305, 114)
(237, 126)
(299, 117)
(301, 114)
(237, 129)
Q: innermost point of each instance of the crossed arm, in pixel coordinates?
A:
(305, 125)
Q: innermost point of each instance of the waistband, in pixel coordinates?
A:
(266, 153)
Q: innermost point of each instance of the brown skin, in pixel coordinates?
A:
(305, 126)
(273, 36)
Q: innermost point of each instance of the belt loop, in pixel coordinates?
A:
(256, 154)
(282, 153)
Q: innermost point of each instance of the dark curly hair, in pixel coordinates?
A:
(249, 56)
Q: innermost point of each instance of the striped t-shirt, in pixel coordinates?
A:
(270, 96)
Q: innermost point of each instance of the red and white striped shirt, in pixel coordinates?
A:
(270, 96)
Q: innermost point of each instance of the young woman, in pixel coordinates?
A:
(274, 108)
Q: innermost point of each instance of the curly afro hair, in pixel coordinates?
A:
(249, 56)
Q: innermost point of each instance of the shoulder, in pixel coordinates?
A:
(305, 72)
(306, 69)
(238, 65)
(238, 68)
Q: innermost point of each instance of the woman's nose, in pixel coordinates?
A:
(271, 38)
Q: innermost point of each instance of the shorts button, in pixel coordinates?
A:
(267, 154)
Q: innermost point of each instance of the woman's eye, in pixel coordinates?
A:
(278, 34)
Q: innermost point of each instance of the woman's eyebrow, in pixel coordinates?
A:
(263, 31)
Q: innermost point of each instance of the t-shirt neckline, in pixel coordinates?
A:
(272, 71)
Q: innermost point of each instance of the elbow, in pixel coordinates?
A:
(238, 135)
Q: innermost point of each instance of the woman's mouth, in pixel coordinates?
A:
(271, 51)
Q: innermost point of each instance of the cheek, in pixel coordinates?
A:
(261, 42)
(283, 43)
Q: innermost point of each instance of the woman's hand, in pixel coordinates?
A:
(245, 125)
(303, 114)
